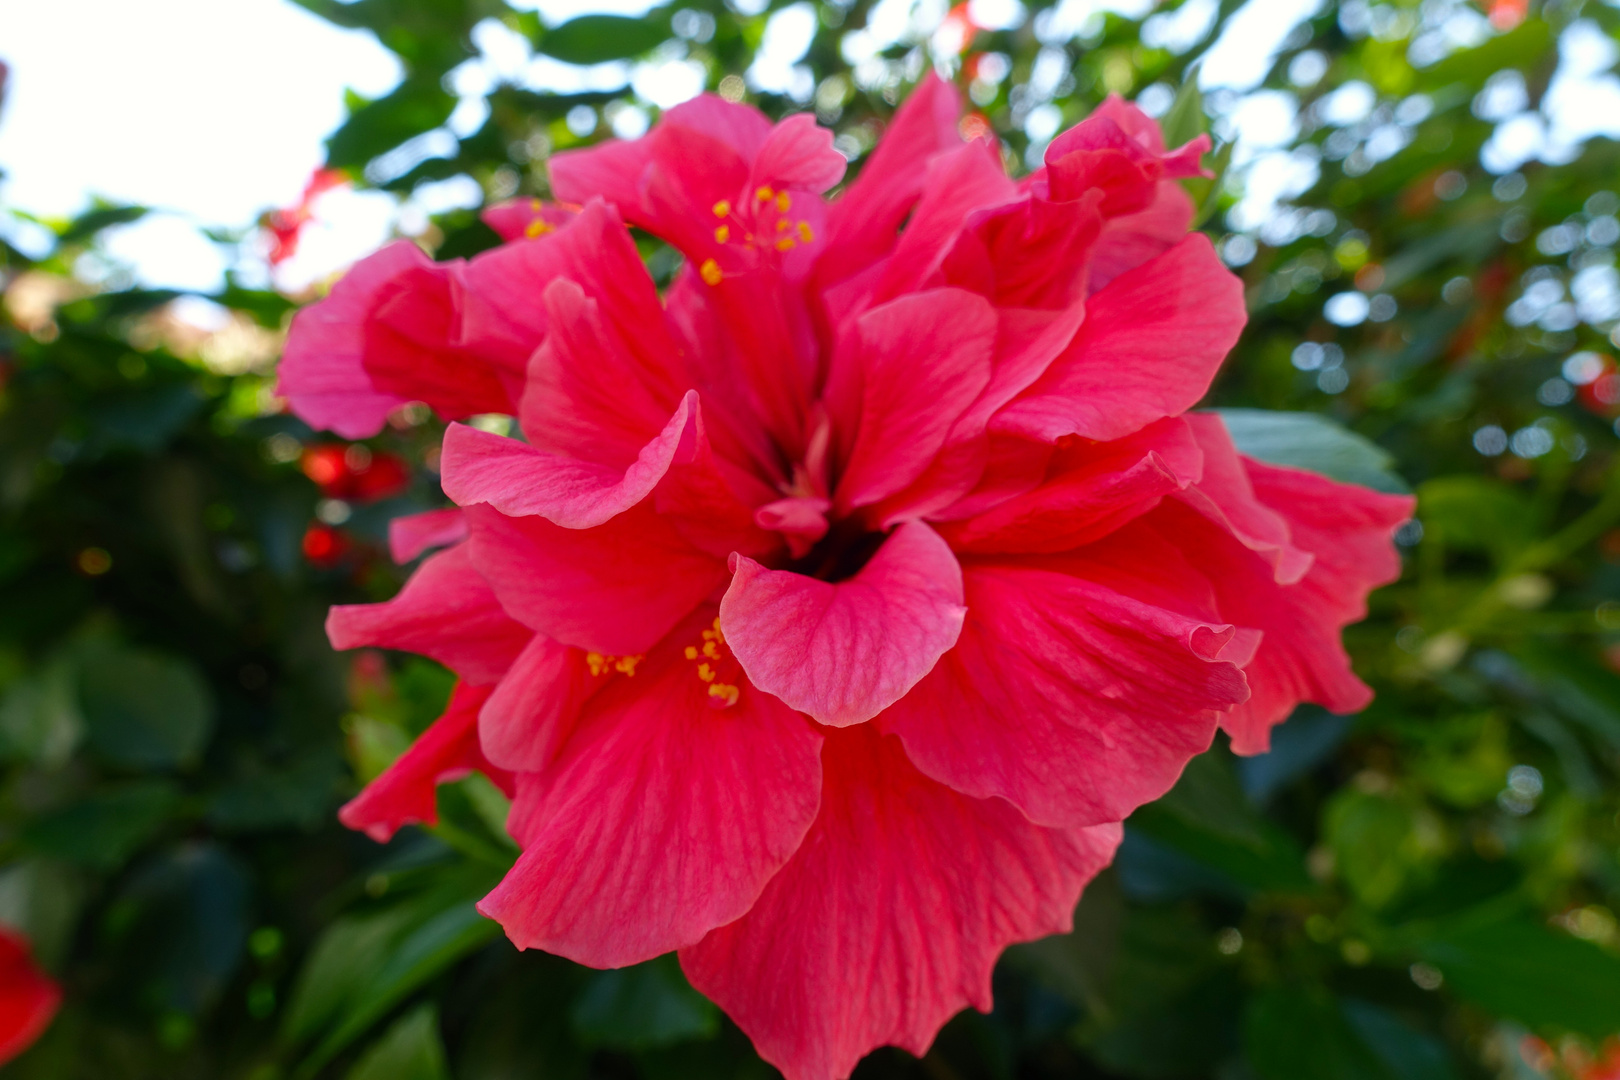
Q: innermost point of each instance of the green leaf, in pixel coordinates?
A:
(1476, 513)
(143, 709)
(88, 224)
(593, 39)
(1376, 844)
(1312, 441)
(40, 720)
(1529, 973)
(415, 106)
(104, 829)
(643, 1006)
(410, 1050)
(413, 957)
(1186, 119)
(1299, 1033)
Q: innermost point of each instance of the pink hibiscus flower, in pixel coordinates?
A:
(848, 593)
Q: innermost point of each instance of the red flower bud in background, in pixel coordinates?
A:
(355, 473)
(28, 997)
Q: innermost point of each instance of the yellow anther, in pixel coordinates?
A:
(626, 665)
(597, 662)
(536, 205)
(804, 232)
(719, 635)
(723, 233)
(710, 270)
(691, 652)
(706, 673)
(764, 194)
(711, 650)
(536, 228)
(725, 692)
(781, 226)
(722, 208)
(787, 243)
(783, 202)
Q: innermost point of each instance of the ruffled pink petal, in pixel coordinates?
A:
(1225, 495)
(798, 154)
(1093, 492)
(664, 818)
(922, 360)
(446, 611)
(406, 791)
(890, 917)
(525, 219)
(609, 373)
(1300, 657)
(533, 708)
(1072, 701)
(610, 171)
(411, 535)
(961, 181)
(864, 223)
(322, 372)
(616, 588)
(520, 481)
(1149, 348)
(414, 348)
(844, 652)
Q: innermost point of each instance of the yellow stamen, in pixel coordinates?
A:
(787, 243)
(804, 232)
(626, 665)
(536, 205)
(537, 227)
(706, 673)
(726, 692)
(764, 194)
(597, 662)
(781, 226)
(722, 208)
(783, 202)
(710, 270)
(723, 233)
(691, 652)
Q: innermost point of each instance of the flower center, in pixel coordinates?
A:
(838, 556)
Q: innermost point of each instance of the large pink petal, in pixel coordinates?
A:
(322, 372)
(663, 819)
(1131, 240)
(922, 360)
(609, 373)
(533, 708)
(446, 611)
(864, 222)
(1093, 492)
(414, 349)
(844, 652)
(413, 534)
(961, 181)
(405, 793)
(890, 917)
(1225, 495)
(1149, 347)
(616, 588)
(798, 154)
(1348, 529)
(520, 481)
(1072, 701)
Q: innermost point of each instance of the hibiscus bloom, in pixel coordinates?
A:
(28, 997)
(847, 595)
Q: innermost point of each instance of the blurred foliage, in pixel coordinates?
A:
(1423, 892)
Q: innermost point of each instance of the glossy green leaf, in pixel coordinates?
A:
(594, 39)
(643, 1006)
(104, 829)
(410, 1050)
(1313, 442)
(144, 709)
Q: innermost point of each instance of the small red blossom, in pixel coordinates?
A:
(286, 226)
(843, 598)
(28, 997)
(355, 473)
(324, 546)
